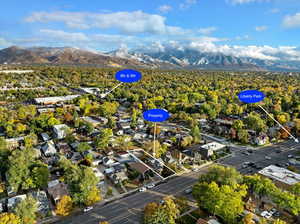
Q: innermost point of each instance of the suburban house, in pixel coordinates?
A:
(49, 148)
(139, 167)
(108, 161)
(60, 131)
(42, 201)
(281, 177)
(12, 202)
(98, 174)
(57, 190)
(118, 177)
(109, 171)
(124, 125)
(14, 142)
(45, 110)
(90, 90)
(64, 149)
(45, 137)
(92, 121)
(262, 139)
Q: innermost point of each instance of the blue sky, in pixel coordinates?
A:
(221, 25)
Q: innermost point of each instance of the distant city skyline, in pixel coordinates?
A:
(256, 28)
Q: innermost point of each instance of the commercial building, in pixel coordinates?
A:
(54, 99)
(209, 149)
(282, 177)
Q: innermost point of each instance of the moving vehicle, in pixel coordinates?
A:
(88, 209)
(188, 191)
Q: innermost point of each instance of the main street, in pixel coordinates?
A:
(129, 209)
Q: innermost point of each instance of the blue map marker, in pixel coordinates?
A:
(124, 76)
(251, 96)
(156, 115)
(128, 76)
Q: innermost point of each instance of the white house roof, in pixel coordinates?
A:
(60, 127)
(280, 174)
(55, 99)
(11, 202)
(91, 120)
(215, 146)
(49, 147)
(53, 183)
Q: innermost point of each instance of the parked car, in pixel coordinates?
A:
(188, 191)
(87, 209)
(266, 214)
(290, 156)
(142, 189)
(195, 169)
(150, 186)
(268, 157)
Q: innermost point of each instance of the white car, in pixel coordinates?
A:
(195, 169)
(290, 156)
(150, 186)
(268, 157)
(266, 214)
(142, 189)
(87, 209)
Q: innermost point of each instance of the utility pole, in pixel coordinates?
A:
(154, 133)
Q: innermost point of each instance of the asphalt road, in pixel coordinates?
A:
(129, 209)
(278, 154)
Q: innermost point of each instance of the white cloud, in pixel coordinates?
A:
(187, 4)
(207, 30)
(125, 22)
(164, 8)
(292, 21)
(261, 28)
(236, 2)
(64, 36)
(258, 52)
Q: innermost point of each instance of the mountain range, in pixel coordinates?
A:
(169, 58)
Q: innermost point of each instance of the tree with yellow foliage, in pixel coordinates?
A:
(64, 206)
(93, 196)
(278, 221)
(248, 219)
(9, 218)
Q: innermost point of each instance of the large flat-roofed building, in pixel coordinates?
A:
(54, 99)
(282, 177)
(209, 149)
(16, 71)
